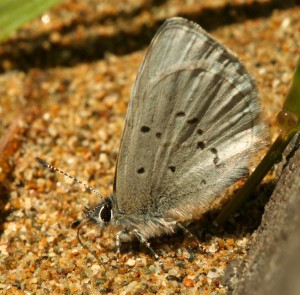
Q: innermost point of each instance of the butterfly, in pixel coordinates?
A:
(192, 128)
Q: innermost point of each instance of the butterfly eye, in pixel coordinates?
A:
(105, 213)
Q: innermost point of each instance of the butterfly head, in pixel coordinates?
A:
(101, 214)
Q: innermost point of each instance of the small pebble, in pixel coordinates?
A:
(131, 262)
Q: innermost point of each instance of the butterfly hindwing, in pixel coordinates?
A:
(191, 127)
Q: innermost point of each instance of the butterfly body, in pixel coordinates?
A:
(192, 127)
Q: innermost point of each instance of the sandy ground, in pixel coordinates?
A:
(65, 83)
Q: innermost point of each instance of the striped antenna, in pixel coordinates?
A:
(45, 164)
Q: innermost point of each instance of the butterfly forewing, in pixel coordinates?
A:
(191, 127)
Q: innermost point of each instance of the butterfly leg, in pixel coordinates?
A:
(118, 244)
(186, 231)
(147, 244)
(122, 235)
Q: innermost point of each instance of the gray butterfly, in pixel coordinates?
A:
(192, 128)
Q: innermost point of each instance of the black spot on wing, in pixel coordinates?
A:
(158, 135)
(216, 158)
(200, 132)
(172, 168)
(192, 121)
(141, 170)
(200, 145)
(180, 114)
(214, 151)
(145, 129)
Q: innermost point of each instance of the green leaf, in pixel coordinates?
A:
(14, 13)
(289, 118)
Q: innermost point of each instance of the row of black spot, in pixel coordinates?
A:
(216, 160)
(200, 144)
(142, 169)
(146, 129)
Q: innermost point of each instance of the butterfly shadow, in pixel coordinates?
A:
(243, 222)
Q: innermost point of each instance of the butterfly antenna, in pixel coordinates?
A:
(45, 164)
(79, 224)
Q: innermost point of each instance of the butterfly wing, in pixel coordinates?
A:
(191, 127)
